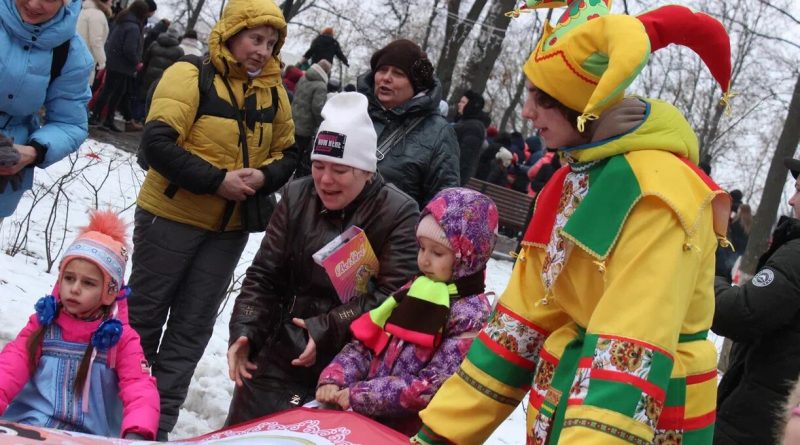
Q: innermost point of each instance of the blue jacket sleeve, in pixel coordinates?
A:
(65, 127)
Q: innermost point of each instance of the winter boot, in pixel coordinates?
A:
(109, 126)
(132, 125)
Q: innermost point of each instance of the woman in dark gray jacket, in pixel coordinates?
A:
(289, 322)
(159, 56)
(417, 148)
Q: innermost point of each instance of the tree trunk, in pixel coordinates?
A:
(291, 8)
(455, 34)
(486, 50)
(431, 19)
(512, 107)
(287, 9)
(195, 14)
(776, 178)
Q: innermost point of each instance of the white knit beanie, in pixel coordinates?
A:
(346, 135)
(505, 156)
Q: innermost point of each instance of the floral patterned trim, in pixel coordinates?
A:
(517, 336)
(575, 188)
(608, 429)
(488, 392)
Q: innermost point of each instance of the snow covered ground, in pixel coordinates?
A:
(102, 176)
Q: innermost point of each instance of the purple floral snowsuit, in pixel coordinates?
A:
(395, 385)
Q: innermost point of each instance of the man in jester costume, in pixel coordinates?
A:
(605, 318)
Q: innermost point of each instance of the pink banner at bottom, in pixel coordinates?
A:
(300, 426)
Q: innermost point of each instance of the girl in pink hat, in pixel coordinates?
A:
(77, 365)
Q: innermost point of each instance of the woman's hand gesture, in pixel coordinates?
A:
(309, 355)
(239, 365)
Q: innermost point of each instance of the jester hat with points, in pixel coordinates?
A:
(588, 59)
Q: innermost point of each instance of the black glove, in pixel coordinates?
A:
(8, 154)
(15, 180)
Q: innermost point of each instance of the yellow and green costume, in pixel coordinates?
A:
(605, 318)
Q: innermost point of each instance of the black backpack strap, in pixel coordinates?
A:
(60, 54)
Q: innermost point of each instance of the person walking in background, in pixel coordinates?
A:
(288, 321)
(93, 28)
(418, 149)
(159, 28)
(499, 170)
(189, 222)
(309, 98)
(324, 47)
(738, 234)
(124, 53)
(334, 88)
(543, 170)
(762, 318)
(190, 45)
(165, 51)
(291, 75)
(77, 364)
(392, 369)
(605, 319)
(26, 85)
(470, 132)
(487, 159)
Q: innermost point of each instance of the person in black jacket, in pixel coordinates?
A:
(471, 133)
(418, 147)
(123, 54)
(486, 160)
(157, 29)
(324, 46)
(762, 318)
(159, 56)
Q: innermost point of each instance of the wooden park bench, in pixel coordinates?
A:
(514, 208)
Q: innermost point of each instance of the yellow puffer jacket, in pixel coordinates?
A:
(189, 158)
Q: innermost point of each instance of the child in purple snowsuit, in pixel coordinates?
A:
(408, 346)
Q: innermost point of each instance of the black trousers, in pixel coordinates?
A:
(304, 160)
(180, 276)
(112, 93)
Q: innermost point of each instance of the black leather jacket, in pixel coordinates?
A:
(284, 281)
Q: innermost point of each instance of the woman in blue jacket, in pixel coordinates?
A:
(30, 30)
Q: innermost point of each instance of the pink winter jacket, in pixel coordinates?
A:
(137, 389)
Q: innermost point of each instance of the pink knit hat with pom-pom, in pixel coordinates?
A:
(103, 243)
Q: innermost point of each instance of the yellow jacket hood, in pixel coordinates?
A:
(244, 14)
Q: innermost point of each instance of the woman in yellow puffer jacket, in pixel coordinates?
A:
(188, 233)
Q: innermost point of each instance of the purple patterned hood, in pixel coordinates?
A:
(469, 220)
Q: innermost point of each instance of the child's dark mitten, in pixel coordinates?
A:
(8, 154)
